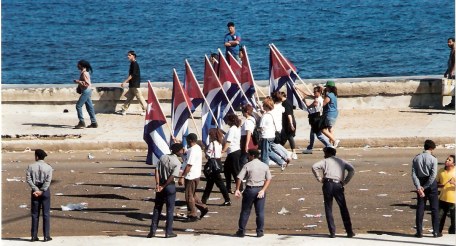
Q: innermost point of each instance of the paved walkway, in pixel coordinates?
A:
(53, 130)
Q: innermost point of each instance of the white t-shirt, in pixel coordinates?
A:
(214, 150)
(249, 125)
(267, 126)
(194, 158)
(234, 137)
(277, 114)
(318, 108)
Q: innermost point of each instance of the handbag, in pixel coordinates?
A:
(212, 166)
(78, 90)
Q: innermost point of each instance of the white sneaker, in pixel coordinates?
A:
(307, 151)
(283, 167)
(336, 143)
(294, 156)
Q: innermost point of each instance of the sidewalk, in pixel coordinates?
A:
(53, 130)
(268, 239)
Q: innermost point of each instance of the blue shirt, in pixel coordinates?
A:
(330, 109)
(234, 50)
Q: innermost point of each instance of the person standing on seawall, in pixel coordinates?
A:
(39, 177)
(133, 80)
(449, 73)
(232, 41)
(85, 89)
(424, 172)
(334, 181)
(446, 180)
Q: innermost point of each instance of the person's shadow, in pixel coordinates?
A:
(48, 125)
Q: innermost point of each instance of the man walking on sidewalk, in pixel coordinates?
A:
(192, 174)
(133, 80)
(424, 173)
(334, 180)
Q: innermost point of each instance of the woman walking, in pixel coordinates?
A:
(231, 145)
(247, 133)
(214, 151)
(85, 89)
(330, 112)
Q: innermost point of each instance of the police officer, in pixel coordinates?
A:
(258, 179)
(39, 176)
(334, 180)
(167, 169)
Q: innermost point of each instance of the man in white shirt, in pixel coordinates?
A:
(192, 174)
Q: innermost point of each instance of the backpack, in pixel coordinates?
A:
(256, 135)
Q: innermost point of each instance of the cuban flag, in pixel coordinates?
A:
(294, 97)
(180, 105)
(191, 87)
(230, 84)
(281, 70)
(157, 145)
(211, 115)
(246, 79)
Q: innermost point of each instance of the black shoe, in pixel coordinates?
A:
(418, 235)
(351, 234)
(191, 219)
(332, 235)
(47, 239)
(204, 212)
(239, 234)
(171, 235)
(93, 125)
(151, 235)
(228, 203)
(260, 234)
(80, 125)
(34, 239)
(451, 105)
(437, 234)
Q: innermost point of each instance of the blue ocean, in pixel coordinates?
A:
(43, 40)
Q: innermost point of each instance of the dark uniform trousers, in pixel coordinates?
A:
(431, 194)
(335, 190)
(168, 196)
(215, 178)
(42, 202)
(249, 198)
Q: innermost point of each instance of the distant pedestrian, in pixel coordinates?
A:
(232, 147)
(85, 89)
(330, 112)
(167, 169)
(449, 73)
(334, 181)
(39, 177)
(424, 172)
(134, 83)
(277, 115)
(446, 180)
(232, 41)
(315, 110)
(191, 175)
(214, 152)
(247, 130)
(258, 177)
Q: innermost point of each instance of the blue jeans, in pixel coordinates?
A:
(249, 198)
(43, 203)
(86, 99)
(323, 139)
(266, 152)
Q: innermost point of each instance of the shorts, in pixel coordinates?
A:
(330, 121)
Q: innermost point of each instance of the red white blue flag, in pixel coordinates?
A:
(246, 80)
(180, 105)
(280, 70)
(191, 87)
(230, 83)
(157, 145)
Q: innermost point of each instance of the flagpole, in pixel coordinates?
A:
(220, 84)
(237, 82)
(297, 75)
(251, 75)
(169, 128)
(291, 80)
(188, 107)
(199, 88)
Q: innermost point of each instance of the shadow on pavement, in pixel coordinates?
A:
(48, 125)
(102, 196)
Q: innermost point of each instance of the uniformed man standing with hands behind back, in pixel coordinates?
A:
(334, 181)
(39, 176)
